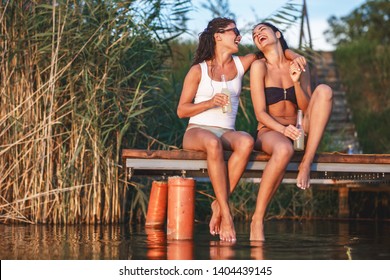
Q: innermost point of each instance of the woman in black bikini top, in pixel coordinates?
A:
(278, 88)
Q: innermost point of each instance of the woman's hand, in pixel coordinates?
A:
(291, 132)
(295, 72)
(220, 100)
(300, 63)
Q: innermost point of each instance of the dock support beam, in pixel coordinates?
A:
(343, 202)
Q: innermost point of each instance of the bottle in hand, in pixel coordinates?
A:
(228, 107)
(299, 143)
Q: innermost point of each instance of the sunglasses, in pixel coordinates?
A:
(234, 29)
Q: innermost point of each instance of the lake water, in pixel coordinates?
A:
(285, 239)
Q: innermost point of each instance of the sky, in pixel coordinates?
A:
(247, 11)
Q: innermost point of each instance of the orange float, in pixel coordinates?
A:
(181, 208)
(157, 208)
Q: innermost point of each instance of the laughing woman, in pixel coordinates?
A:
(278, 89)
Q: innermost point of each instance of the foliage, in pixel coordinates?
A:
(77, 79)
(219, 8)
(363, 61)
(370, 21)
(364, 68)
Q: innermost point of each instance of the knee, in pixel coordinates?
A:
(214, 148)
(246, 144)
(283, 152)
(325, 92)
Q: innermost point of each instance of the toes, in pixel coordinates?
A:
(227, 238)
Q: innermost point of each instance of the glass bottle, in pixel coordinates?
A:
(299, 143)
(228, 107)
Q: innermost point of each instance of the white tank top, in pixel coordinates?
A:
(208, 88)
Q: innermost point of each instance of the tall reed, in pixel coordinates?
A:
(74, 77)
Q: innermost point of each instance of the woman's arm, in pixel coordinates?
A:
(297, 59)
(257, 85)
(186, 107)
(247, 60)
(301, 85)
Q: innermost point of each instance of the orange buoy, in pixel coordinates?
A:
(181, 208)
(157, 208)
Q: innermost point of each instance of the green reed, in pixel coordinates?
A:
(74, 80)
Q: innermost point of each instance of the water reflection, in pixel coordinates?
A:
(222, 250)
(284, 240)
(257, 250)
(62, 242)
(180, 250)
(156, 240)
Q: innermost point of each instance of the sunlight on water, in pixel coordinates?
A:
(319, 240)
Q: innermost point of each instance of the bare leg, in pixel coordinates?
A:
(281, 150)
(203, 140)
(241, 143)
(314, 123)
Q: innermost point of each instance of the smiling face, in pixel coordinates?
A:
(230, 34)
(263, 35)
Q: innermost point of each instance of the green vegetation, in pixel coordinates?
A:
(80, 80)
(363, 59)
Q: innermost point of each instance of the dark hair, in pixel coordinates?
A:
(206, 46)
(275, 29)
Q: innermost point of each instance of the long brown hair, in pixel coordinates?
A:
(206, 46)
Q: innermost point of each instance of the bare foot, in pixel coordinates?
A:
(227, 232)
(303, 178)
(215, 221)
(257, 231)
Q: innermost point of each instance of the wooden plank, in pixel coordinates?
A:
(332, 168)
(184, 164)
(258, 156)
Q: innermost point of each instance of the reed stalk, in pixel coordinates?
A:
(74, 85)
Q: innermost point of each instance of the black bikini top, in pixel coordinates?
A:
(274, 95)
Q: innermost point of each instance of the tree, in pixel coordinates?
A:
(370, 21)
(363, 61)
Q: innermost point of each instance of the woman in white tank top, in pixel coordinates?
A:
(210, 130)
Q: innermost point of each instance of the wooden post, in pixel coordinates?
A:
(343, 202)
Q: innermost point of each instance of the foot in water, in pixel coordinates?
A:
(227, 232)
(257, 231)
(215, 221)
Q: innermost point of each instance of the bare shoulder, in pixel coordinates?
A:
(194, 73)
(259, 64)
(195, 69)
